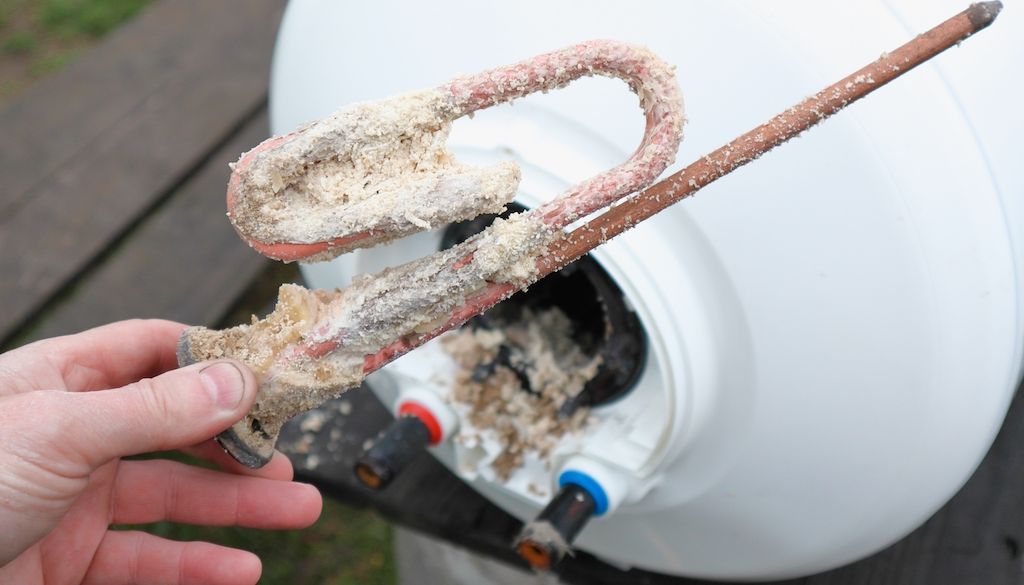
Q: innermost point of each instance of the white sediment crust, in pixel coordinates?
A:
(375, 310)
(522, 421)
(379, 165)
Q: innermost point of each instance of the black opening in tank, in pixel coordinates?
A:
(602, 320)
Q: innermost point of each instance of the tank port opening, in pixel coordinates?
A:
(603, 323)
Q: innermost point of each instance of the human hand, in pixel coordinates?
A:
(70, 407)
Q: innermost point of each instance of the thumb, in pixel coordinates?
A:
(176, 409)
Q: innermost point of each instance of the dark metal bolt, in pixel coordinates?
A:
(392, 452)
(544, 541)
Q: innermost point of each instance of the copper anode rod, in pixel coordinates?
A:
(717, 164)
(767, 136)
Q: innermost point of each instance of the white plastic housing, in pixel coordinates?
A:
(835, 329)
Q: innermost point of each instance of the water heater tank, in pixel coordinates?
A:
(832, 334)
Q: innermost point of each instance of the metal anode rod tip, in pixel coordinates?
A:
(982, 14)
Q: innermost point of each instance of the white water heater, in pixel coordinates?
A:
(833, 333)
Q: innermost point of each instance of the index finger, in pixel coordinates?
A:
(109, 356)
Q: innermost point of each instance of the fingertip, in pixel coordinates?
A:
(162, 324)
(211, 563)
(250, 383)
(215, 563)
(231, 384)
(280, 467)
(250, 567)
(170, 411)
(310, 502)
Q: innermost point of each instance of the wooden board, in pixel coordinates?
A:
(975, 538)
(183, 262)
(88, 152)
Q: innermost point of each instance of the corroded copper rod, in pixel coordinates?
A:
(767, 136)
(736, 153)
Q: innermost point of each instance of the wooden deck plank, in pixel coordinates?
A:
(60, 115)
(184, 262)
(88, 152)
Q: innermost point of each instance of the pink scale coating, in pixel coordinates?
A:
(647, 75)
(650, 77)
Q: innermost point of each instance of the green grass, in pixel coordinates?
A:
(19, 43)
(52, 63)
(78, 18)
(40, 37)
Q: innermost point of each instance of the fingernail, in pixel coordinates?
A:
(225, 384)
